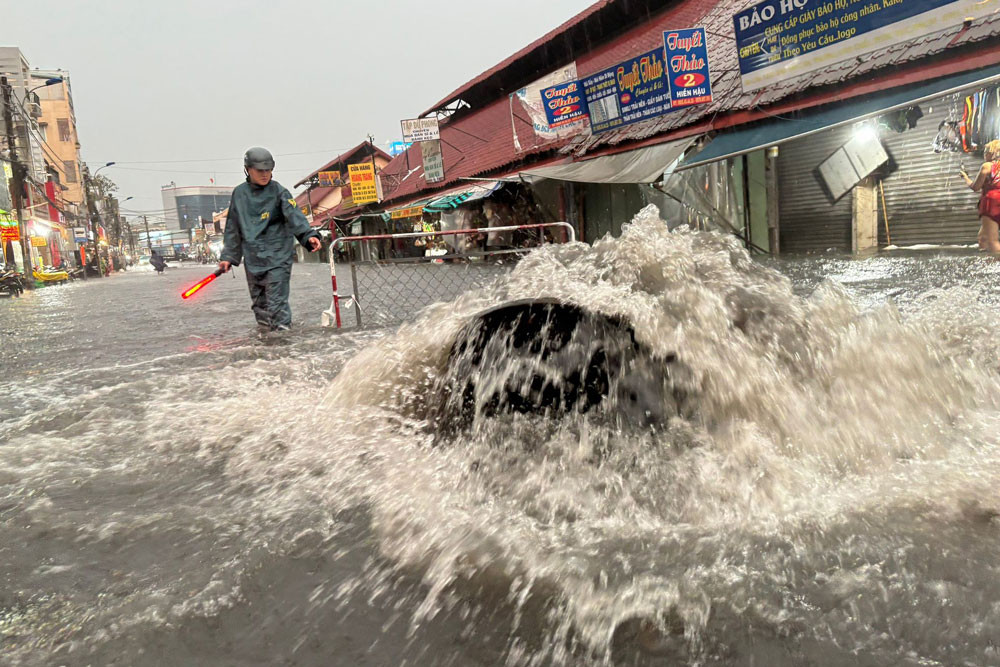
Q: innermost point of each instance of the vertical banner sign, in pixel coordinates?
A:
(686, 54)
(6, 173)
(433, 162)
(781, 39)
(8, 228)
(628, 92)
(564, 103)
(363, 186)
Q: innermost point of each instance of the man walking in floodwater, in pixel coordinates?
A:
(261, 229)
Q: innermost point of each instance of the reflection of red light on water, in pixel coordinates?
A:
(690, 80)
(626, 98)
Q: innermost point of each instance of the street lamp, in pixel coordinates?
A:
(102, 167)
(48, 82)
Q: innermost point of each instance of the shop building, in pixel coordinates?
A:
(770, 162)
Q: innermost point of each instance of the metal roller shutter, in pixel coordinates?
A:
(808, 221)
(926, 199)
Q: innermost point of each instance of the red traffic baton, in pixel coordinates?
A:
(201, 283)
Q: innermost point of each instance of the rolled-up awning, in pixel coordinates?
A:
(455, 198)
(643, 165)
(776, 132)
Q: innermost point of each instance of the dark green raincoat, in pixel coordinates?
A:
(261, 229)
(262, 226)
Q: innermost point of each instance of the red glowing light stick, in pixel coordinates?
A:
(201, 283)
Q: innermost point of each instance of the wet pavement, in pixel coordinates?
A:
(176, 489)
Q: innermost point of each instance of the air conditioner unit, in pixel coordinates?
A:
(34, 109)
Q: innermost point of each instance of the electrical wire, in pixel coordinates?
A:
(225, 159)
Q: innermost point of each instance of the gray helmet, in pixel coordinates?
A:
(258, 158)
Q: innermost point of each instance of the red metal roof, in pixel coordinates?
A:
(342, 159)
(728, 95)
(481, 142)
(513, 60)
(478, 144)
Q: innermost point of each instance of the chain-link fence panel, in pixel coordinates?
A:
(384, 291)
(389, 293)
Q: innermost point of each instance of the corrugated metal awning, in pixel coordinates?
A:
(775, 132)
(456, 198)
(643, 165)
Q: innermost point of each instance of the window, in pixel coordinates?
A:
(70, 168)
(43, 128)
(64, 133)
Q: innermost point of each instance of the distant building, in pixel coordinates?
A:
(57, 127)
(14, 65)
(54, 202)
(187, 207)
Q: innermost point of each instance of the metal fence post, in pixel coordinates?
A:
(354, 287)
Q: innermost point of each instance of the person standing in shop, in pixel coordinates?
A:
(987, 183)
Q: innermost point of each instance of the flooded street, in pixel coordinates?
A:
(177, 490)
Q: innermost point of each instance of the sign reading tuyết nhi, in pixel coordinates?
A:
(781, 39)
(363, 188)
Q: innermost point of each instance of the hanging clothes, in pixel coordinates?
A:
(963, 126)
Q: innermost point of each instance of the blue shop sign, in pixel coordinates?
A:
(627, 93)
(686, 53)
(564, 103)
(778, 39)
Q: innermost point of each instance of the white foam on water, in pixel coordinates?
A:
(832, 495)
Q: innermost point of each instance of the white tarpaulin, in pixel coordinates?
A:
(644, 165)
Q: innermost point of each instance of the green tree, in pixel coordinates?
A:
(104, 186)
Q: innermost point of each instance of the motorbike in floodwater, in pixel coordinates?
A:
(11, 283)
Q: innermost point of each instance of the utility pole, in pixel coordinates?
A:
(149, 242)
(94, 217)
(17, 183)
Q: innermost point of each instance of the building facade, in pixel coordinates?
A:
(188, 207)
(57, 127)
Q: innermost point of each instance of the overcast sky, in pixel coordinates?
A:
(177, 90)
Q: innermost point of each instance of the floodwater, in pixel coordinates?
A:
(177, 490)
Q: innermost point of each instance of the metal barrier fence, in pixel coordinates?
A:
(391, 290)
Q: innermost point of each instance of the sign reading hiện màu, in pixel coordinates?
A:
(781, 39)
(363, 188)
(686, 55)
